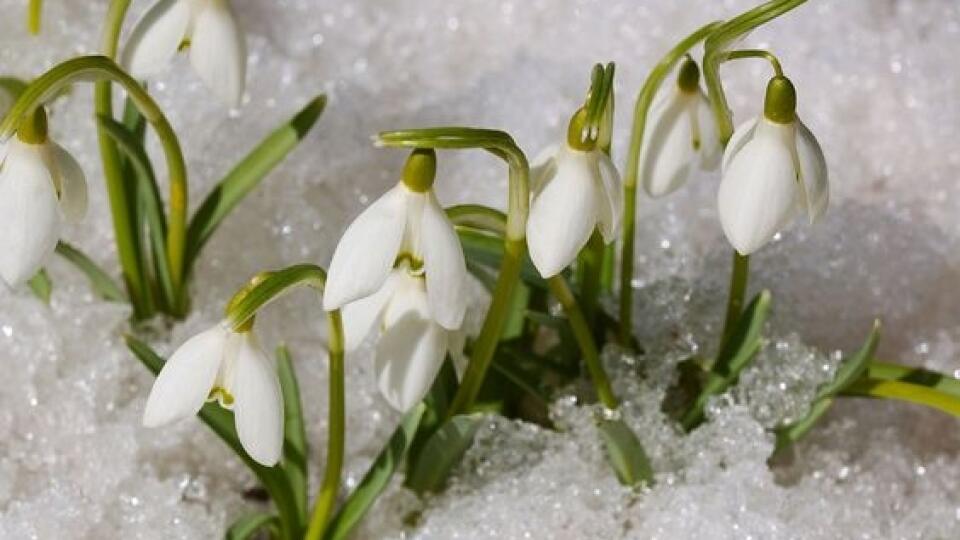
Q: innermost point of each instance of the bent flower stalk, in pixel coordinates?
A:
(208, 27)
(400, 263)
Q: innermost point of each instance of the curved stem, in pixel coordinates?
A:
(100, 68)
(644, 101)
(715, 48)
(514, 243)
(755, 53)
(327, 495)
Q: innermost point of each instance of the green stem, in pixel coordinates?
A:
(101, 68)
(589, 272)
(34, 13)
(739, 276)
(644, 101)
(503, 146)
(754, 53)
(327, 495)
(584, 336)
(715, 50)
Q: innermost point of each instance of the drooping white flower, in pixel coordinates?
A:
(412, 344)
(575, 190)
(232, 368)
(400, 263)
(209, 27)
(680, 134)
(773, 168)
(41, 186)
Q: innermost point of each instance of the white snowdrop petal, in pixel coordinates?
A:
(610, 201)
(360, 316)
(73, 184)
(563, 216)
(408, 357)
(445, 267)
(184, 383)
(156, 37)
(258, 409)
(758, 194)
(741, 136)
(667, 153)
(813, 171)
(367, 251)
(218, 51)
(31, 213)
(543, 168)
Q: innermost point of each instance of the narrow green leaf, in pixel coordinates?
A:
(908, 392)
(513, 327)
(220, 421)
(148, 200)
(442, 452)
(376, 478)
(13, 87)
(41, 286)
(294, 432)
(248, 525)
(626, 453)
(849, 372)
(100, 281)
(247, 174)
(487, 250)
(735, 356)
(883, 371)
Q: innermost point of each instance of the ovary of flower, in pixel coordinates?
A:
(209, 27)
(574, 192)
(41, 186)
(233, 369)
(772, 169)
(680, 134)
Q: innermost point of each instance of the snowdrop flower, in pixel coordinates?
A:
(230, 367)
(576, 188)
(217, 48)
(773, 168)
(41, 186)
(400, 264)
(680, 135)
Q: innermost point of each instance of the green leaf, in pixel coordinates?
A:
(13, 87)
(247, 174)
(735, 356)
(626, 453)
(220, 421)
(487, 250)
(41, 286)
(515, 323)
(101, 282)
(883, 371)
(442, 452)
(248, 525)
(850, 370)
(376, 478)
(294, 433)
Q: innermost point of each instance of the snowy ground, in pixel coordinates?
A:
(877, 83)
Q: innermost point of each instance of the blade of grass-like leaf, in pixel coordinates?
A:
(247, 174)
(13, 87)
(487, 249)
(250, 524)
(376, 478)
(294, 433)
(100, 281)
(41, 286)
(902, 391)
(735, 356)
(442, 452)
(220, 421)
(626, 453)
(148, 200)
(883, 371)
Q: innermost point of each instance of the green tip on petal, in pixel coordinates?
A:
(33, 129)
(575, 132)
(780, 104)
(689, 78)
(420, 170)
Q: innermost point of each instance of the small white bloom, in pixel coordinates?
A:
(680, 134)
(574, 192)
(771, 171)
(217, 47)
(41, 185)
(412, 345)
(232, 368)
